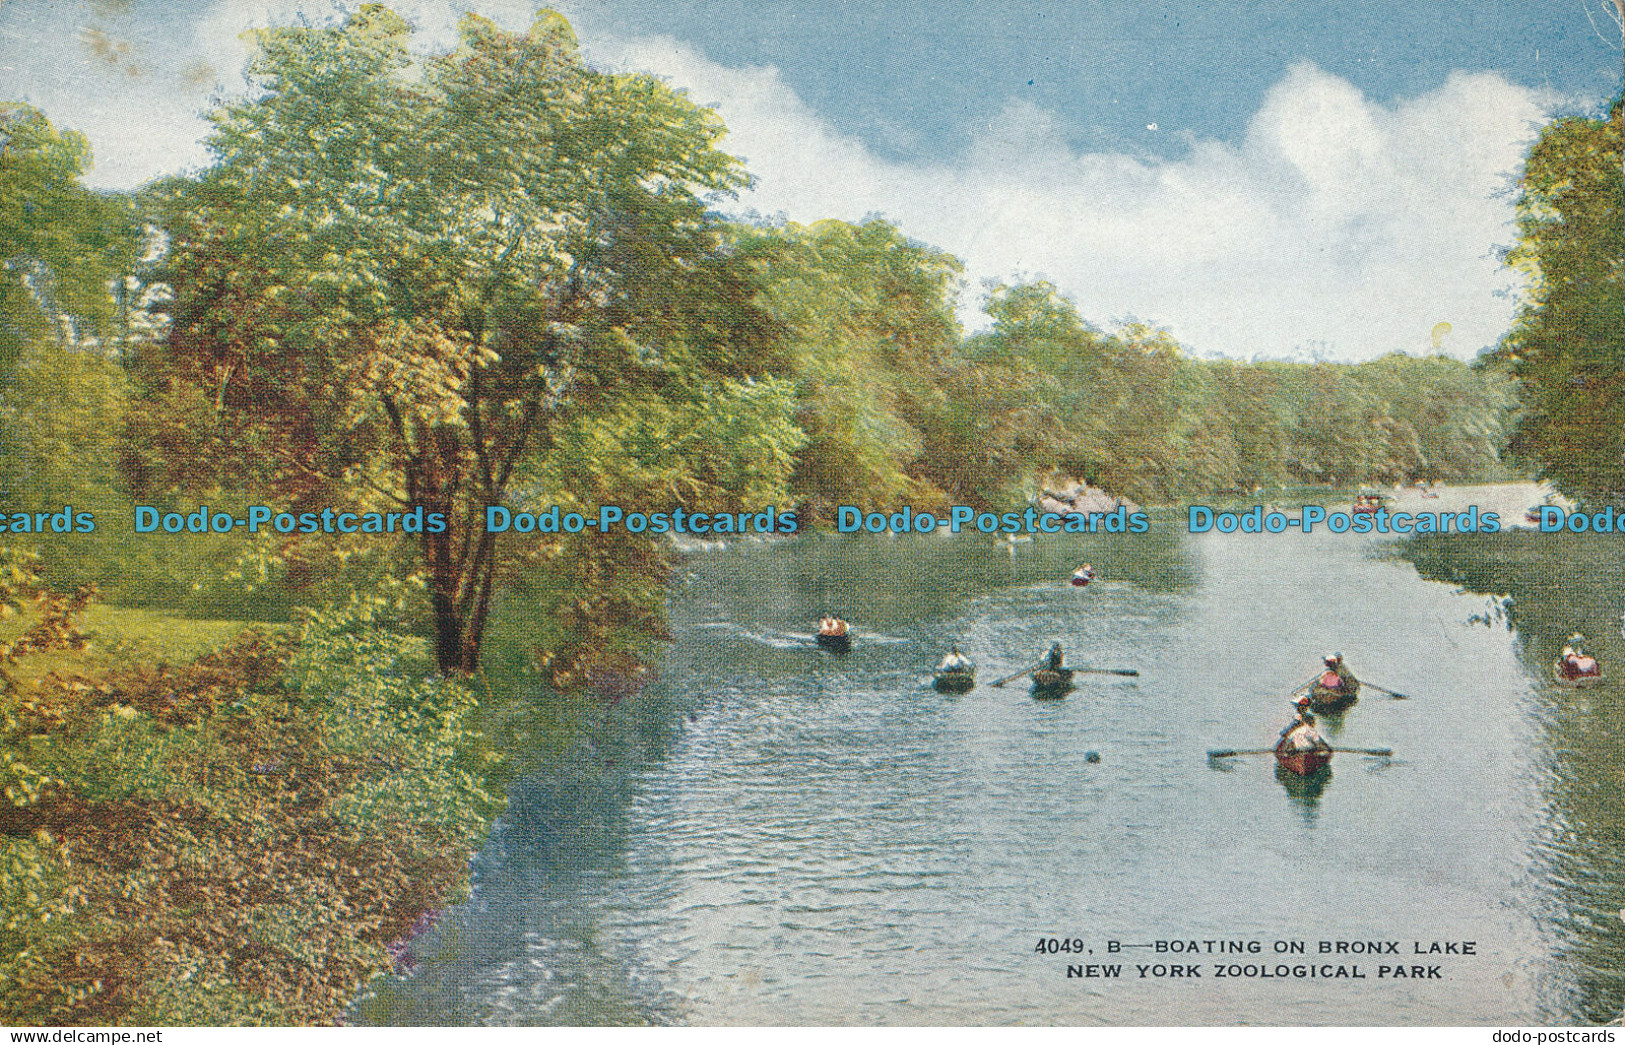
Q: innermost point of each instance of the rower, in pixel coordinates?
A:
(955, 661)
(831, 626)
(1299, 710)
(1053, 661)
(1304, 736)
(1337, 675)
(1083, 575)
(1575, 664)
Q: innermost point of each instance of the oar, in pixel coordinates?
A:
(1296, 690)
(1380, 689)
(1381, 752)
(1017, 675)
(1106, 671)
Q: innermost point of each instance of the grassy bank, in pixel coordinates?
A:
(211, 825)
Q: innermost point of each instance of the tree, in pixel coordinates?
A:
(63, 251)
(1567, 345)
(869, 328)
(63, 247)
(405, 277)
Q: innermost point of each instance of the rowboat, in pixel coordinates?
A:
(1302, 763)
(1050, 684)
(953, 680)
(1577, 681)
(841, 643)
(1333, 698)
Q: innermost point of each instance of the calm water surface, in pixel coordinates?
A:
(777, 835)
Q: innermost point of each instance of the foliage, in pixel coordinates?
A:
(62, 246)
(404, 278)
(235, 839)
(1043, 391)
(64, 252)
(869, 327)
(1567, 348)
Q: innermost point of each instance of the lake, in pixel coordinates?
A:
(773, 834)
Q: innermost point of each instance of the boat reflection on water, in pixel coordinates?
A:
(1330, 723)
(1305, 790)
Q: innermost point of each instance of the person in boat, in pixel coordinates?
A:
(1053, 660)
(1083, 575)
(955, 661)
(1299, 709)
(1574, 663)
(1335, 666)
(1304, 736)
(832, 626)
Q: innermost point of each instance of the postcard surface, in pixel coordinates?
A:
(811, 513)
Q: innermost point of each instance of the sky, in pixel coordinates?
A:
(1264, 179)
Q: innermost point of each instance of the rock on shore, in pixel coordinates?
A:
(1074, 497)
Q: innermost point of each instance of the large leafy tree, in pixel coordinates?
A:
(64, 248)
(407, 278)
(1567, 346)
(66, 252)
(869, 323)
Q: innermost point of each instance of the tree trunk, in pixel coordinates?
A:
(460, 597)
(448, 625)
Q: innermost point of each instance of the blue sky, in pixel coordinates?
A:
(1263, 179)
(916, 80)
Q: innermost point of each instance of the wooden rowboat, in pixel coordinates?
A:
(841, 643)
(1325, 698)
(1577, 681)
(1302, 763)
(954, 680)
(1049, 684)
(1369, 503)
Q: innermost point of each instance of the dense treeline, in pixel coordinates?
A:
(900, 406)
(1567, 347)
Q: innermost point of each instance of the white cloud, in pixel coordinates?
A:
(1337, 225)
(1336, 222)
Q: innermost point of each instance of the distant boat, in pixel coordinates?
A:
(1532, 516)
(833, 635)
(841, 643)
(1578, 681)
(1369, 503)
(1051, 684)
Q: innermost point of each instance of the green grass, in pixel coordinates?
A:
(121, 635)
(158, 635)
